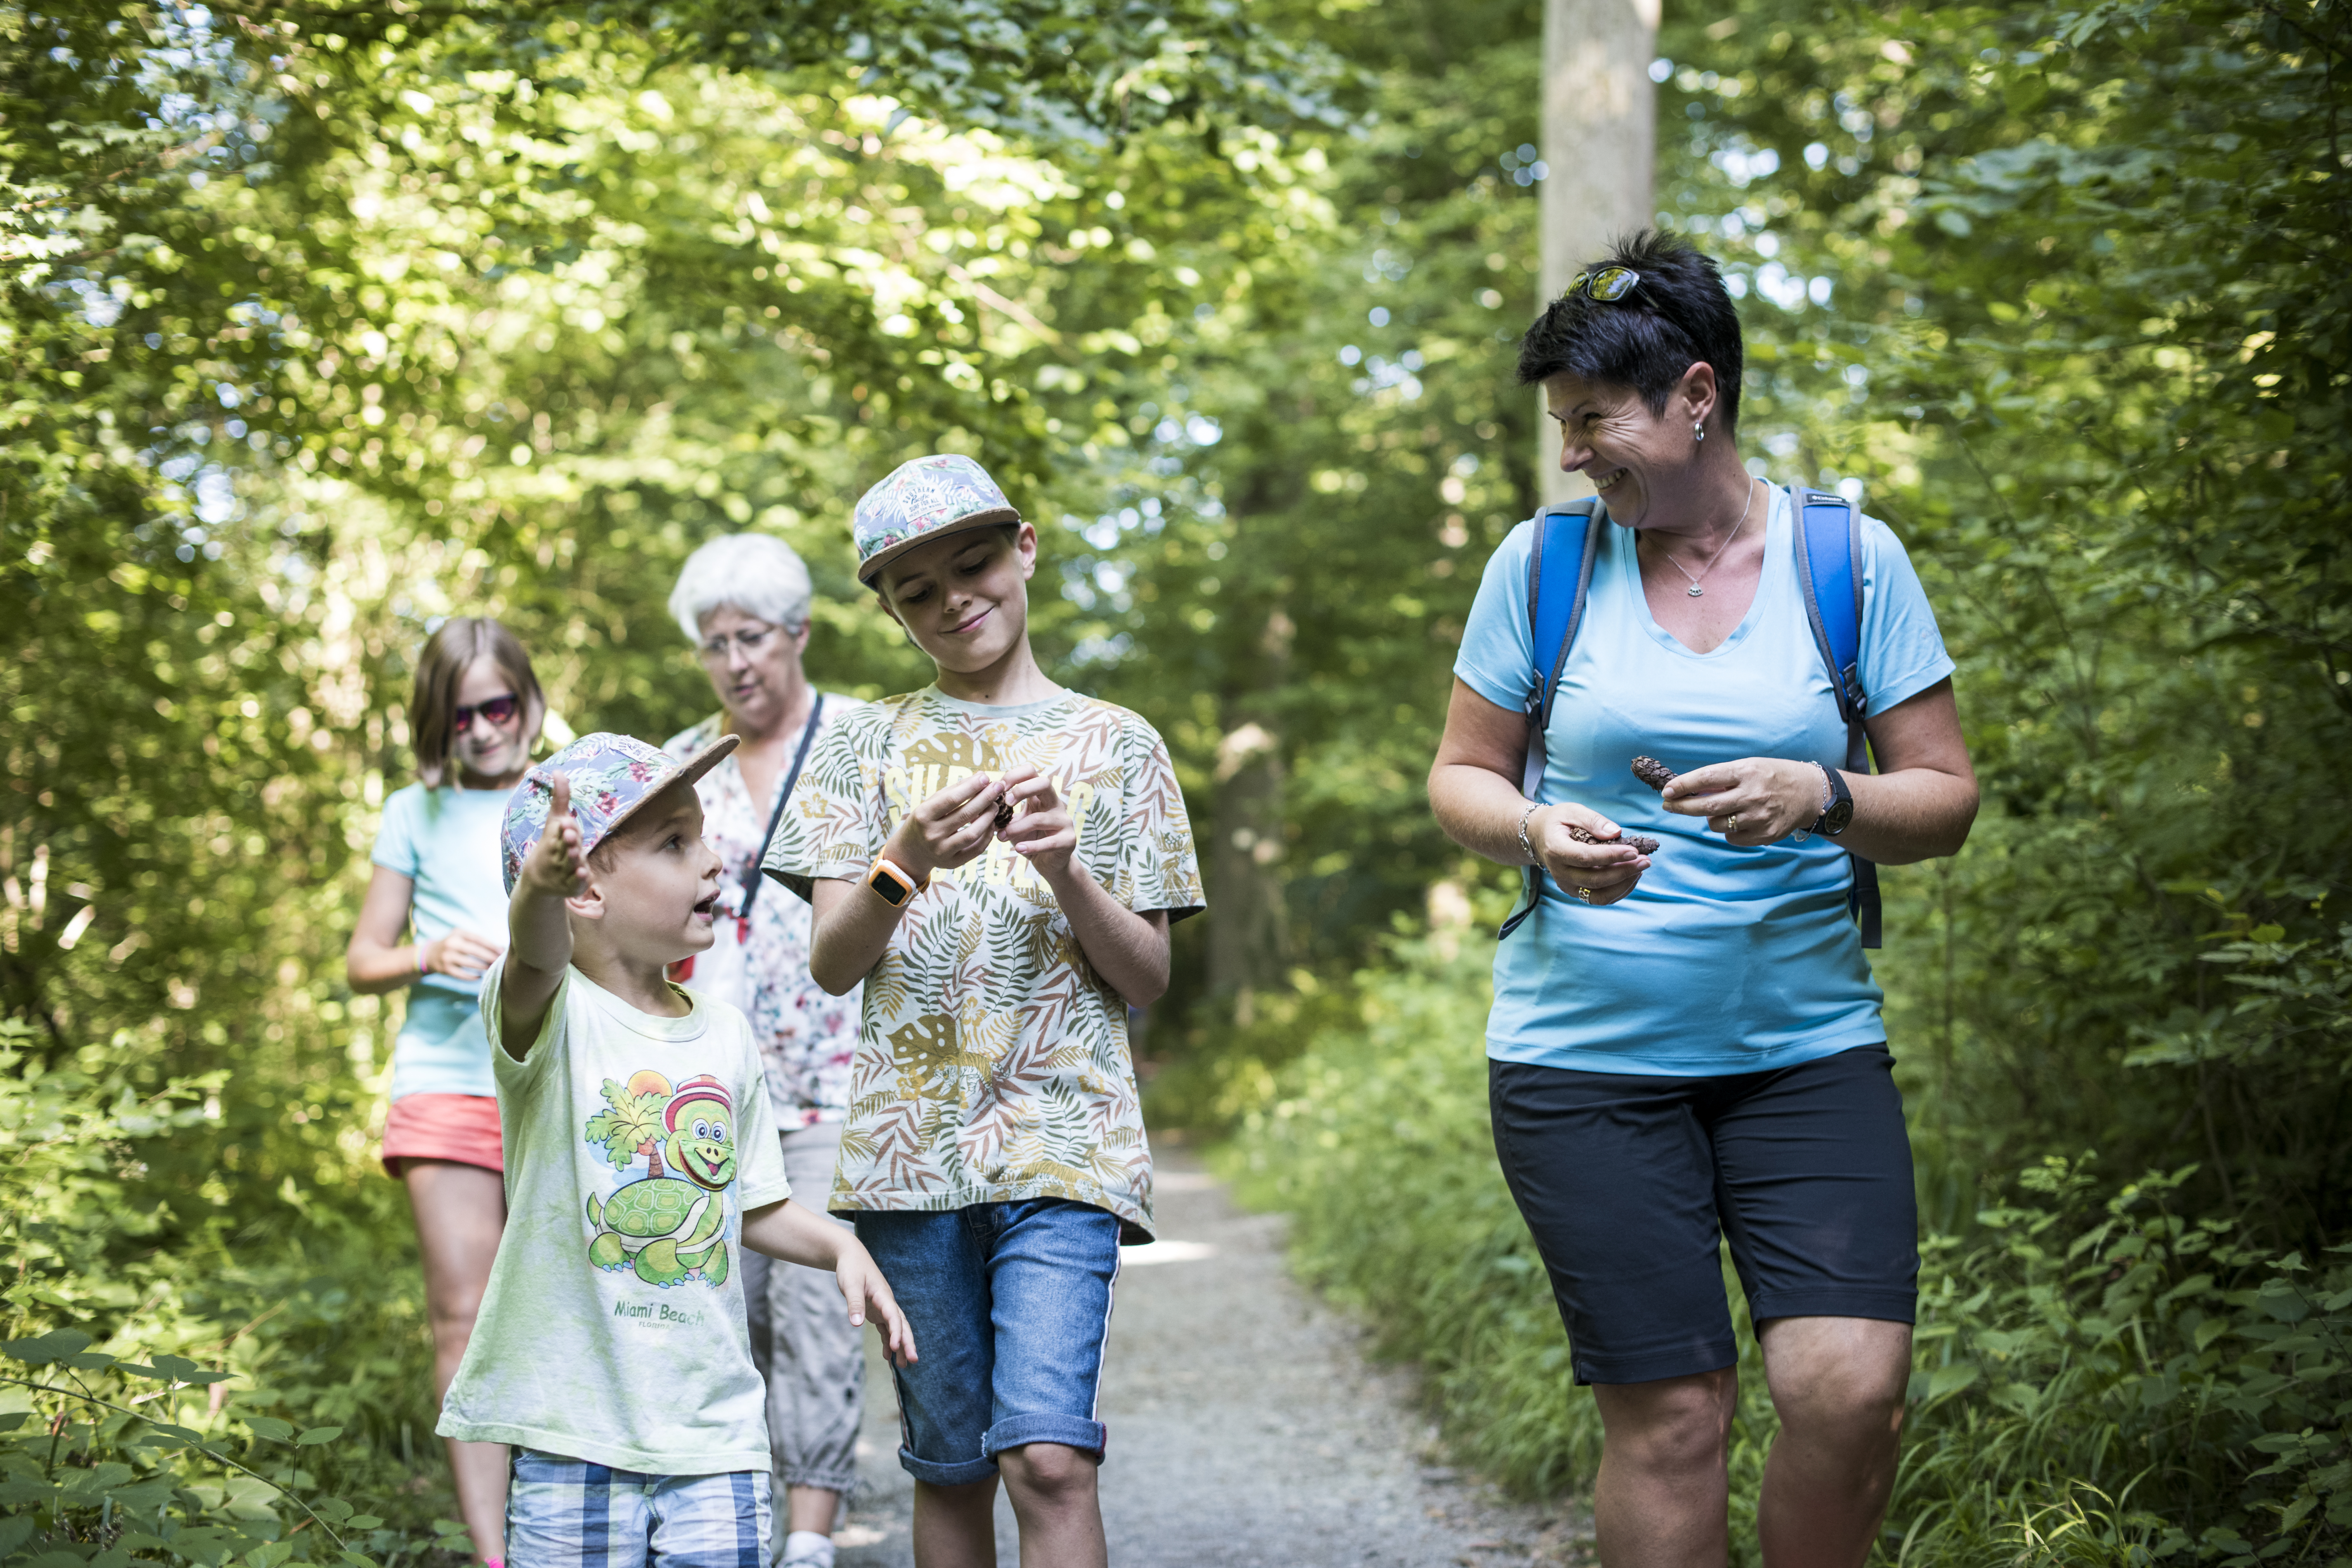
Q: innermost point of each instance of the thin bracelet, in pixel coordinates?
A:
(1800, 835)
(1526, 843)
(420, 958)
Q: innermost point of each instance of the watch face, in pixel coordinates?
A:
(1839, 817)
(894, 892)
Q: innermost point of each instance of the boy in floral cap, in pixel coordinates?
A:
(999, 860)
(611, 1350)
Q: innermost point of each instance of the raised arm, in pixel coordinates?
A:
(1126, 947)
(1918, 807)
(852, 923)
(539, 925)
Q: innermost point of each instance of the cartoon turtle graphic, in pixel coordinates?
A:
(666, 1226)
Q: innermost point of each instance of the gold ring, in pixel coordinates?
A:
(1732, 825)
(1585, 894)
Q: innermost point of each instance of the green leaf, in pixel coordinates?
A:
(182, 1370)
(1952, 1379)
(318, 1435)
(269, 1428)
(365, 1521)
(54, 1346)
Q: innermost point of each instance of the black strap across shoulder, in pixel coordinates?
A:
(808, 733)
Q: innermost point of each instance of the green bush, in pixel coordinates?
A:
(180, 1383)
(2100, 1378)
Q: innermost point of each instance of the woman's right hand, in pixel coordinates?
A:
(1609, 870)
(461, 955)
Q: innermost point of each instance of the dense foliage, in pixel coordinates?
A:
(321, 321)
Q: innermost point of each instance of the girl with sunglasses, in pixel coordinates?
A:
(434, 919)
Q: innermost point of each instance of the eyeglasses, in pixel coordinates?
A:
(499, 711)
(747, 642)
(1608, 286)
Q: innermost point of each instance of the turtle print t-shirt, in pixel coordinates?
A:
(612, 1328)
(991, 1060)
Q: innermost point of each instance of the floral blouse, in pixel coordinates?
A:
(806, 1038)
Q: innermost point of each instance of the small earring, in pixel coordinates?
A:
(1698, 431)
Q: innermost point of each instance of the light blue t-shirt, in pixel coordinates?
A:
(446, 841)
(1723, 959)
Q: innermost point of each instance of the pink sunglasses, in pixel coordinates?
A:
(499, 710)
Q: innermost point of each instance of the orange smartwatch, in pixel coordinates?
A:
(893, 886)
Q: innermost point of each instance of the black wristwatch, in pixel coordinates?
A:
(1838, 816)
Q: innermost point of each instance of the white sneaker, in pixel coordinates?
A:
(806, 1549)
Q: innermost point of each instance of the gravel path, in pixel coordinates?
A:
(1246, 1430)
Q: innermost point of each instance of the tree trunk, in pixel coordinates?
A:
(1247, 936)
(1599, 148)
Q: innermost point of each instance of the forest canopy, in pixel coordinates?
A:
(324, 321)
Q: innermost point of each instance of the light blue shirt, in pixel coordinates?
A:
(1723, 959)
(445, 842)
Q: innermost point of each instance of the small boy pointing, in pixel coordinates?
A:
(611, 1348)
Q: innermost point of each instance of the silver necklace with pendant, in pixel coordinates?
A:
(1695, 590)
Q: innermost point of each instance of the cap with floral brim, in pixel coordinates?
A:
(926, 498)
(611, 777)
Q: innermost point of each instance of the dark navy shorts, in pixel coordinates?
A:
(1628, 1182)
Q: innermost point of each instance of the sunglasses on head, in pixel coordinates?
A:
(1608, 286)
(499, 710)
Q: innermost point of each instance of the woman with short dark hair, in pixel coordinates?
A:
(1686, 1044)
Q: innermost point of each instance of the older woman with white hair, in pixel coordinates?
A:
(743, 601)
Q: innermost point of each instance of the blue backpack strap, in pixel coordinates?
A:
(1559, 577)
(1829, 553)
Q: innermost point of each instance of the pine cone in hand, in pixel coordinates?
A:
(1653, 772)
(1637, 842)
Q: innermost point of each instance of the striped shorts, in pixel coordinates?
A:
(570, 1513)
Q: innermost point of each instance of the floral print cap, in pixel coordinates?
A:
(924, 500)
(611, 775)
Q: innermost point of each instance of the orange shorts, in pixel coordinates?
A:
(460, 1127)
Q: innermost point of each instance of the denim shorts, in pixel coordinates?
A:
(1631, 1184)
(1010, 1304)
(570, 1513)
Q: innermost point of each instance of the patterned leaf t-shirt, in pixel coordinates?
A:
(991, 1060)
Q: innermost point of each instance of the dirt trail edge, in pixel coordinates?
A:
(1246, 1430)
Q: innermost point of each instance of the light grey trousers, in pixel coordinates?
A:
(813, 1362)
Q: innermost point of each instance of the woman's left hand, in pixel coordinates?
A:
(1755, 800)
